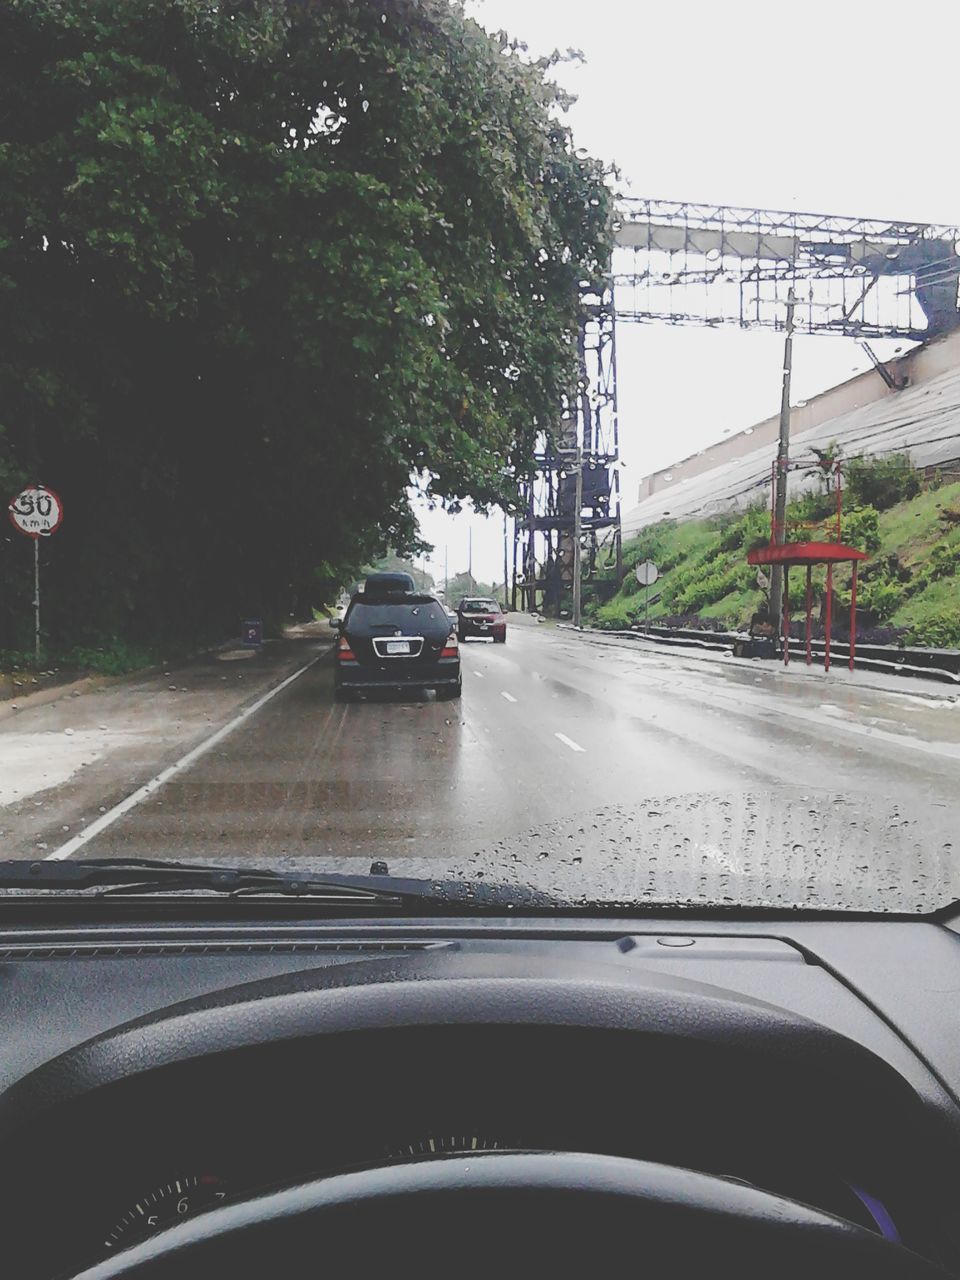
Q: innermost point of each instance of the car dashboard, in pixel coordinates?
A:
(152, 1073)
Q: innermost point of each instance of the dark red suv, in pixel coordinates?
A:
(481, 616)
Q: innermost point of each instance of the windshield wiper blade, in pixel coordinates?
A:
(102, 877)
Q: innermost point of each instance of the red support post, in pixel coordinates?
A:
(853, 614)
(809, 609)
(786, 615)
(829, 618)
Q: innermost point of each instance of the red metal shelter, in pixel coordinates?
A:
(790, 554)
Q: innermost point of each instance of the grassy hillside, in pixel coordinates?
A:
(911, 584)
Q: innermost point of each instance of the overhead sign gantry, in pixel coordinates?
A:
(687, 263)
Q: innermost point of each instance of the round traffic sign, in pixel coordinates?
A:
(36, 511)
(647, 573)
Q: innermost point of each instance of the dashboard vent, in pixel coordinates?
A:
(99, 951)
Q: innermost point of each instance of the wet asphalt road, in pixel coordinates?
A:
(550, 726)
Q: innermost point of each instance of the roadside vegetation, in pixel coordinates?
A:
(261, 264)
(459, 585)
(908, 591)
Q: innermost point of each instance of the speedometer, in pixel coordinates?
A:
(449, 1144)
(164, 1205)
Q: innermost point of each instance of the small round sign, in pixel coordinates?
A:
(36, 511)
(647, 573)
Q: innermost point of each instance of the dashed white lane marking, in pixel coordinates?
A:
(478, 674)
(569, 742)
(509, 696)
(110, 817)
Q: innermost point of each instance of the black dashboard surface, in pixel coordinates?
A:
(876, 1124)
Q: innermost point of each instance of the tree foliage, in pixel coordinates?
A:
(259, 263)
(465, 584)
(393, 563)
(881, 481)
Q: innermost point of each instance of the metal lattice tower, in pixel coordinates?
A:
(704, 264)
(544, 532)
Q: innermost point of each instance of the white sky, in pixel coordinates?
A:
(834, 107)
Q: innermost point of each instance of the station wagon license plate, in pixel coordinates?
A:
(398, 646)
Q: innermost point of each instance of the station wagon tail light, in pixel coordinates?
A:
(344, 652)
(451, 647)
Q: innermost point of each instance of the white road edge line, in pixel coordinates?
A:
(569, 742)
(509, 696)
(110, 817)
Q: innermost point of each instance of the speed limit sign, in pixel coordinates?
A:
(36, 511)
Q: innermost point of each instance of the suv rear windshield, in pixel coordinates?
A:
(369, 616)
(480, 606)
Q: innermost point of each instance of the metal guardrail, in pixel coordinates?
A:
(929, 664)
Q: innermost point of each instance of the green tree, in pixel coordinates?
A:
(393, 563)
(882, 481)
(259, 264)
(464, 584)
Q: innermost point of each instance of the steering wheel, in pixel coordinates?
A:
(534, 1213)
(538, 1213)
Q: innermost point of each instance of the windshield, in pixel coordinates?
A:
(525, 471)
(362, 616)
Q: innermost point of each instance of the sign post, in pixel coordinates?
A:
(646, 574)
(251, 633)
(36, 512)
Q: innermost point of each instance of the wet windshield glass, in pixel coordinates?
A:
(373, 617)
(506, 444)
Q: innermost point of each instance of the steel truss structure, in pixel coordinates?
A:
(713, 264)
(544, 534)
(704, 264)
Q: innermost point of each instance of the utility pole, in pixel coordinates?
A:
(577, 505)
(446, 571)
(783, 457)
(470, 555)
(506, 566)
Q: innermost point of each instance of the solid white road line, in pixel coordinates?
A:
(509, 696)
(149, 788)
(569, 742)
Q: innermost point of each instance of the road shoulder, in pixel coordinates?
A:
(66, 762)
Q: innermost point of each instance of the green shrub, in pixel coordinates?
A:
(713, 587)
(618, 614)
(889, 566)
(15, 659)
(751, 530)
(940, 631)
(113, 658)
(861, 529)
(881, 482)
(880, 598)
(812, 507)
(943, 562)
